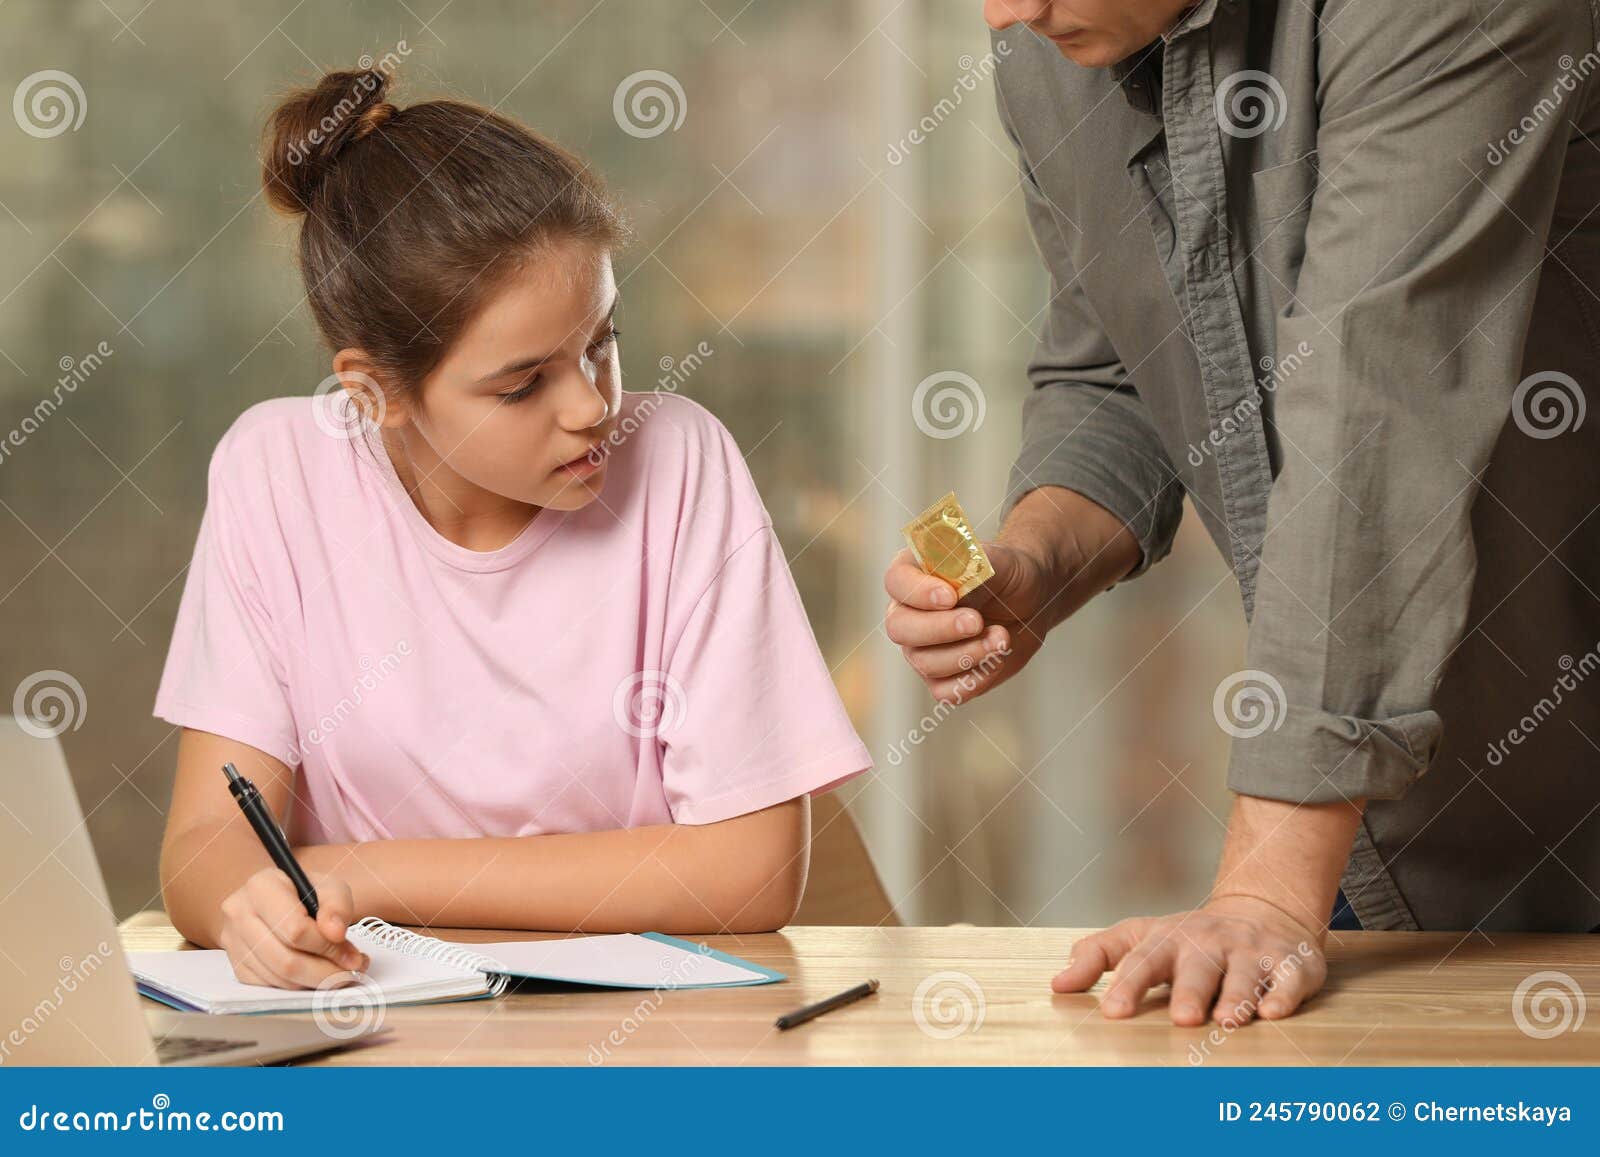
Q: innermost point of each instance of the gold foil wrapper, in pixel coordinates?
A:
(942, 541)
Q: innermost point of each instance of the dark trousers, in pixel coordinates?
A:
(1344, 917)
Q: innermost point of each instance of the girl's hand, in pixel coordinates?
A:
(270, 940)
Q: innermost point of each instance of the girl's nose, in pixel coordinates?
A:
(590, 405)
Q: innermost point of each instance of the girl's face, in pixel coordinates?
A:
(523, 402)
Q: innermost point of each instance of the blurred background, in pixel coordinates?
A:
(822, 196)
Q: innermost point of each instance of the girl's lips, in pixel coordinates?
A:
(586, 463)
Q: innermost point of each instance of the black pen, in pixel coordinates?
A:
(272, 838)
(812, 1011)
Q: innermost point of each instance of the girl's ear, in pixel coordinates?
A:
(380, 401)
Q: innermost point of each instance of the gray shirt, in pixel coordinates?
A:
(1329, 269)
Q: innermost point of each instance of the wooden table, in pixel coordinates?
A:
(1392, 998)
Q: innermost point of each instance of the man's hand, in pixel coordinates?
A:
(1232, 959)
(961, 652)
(1057, 550)
(1254, 948)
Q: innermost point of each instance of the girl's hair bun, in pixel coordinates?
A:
(310, 128)
(450, 203)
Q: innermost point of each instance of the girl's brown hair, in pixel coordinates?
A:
(413, 216)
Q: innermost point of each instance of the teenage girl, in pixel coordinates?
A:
(503, 645)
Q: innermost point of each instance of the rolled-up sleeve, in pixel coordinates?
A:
(1423, 252)
(1084, 426)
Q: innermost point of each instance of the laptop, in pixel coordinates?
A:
(66, 995)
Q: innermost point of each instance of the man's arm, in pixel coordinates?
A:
(1423, 259)
(1288, 856)
(1415, 297)
(1093, 498)
(1084, 427)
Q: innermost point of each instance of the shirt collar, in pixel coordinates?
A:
(1139, 75)
(1196, 18)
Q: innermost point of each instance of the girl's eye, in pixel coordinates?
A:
(532, 383)
(523, 390)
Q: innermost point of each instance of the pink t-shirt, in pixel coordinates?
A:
(643, 660)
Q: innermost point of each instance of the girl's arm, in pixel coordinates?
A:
(220, 887)
(209, 850)
(745, 874)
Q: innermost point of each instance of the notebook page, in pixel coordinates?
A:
(621, 960)
(204, 979)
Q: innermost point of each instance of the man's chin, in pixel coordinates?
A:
(1093, 51)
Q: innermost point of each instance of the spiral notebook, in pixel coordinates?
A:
(410, 968)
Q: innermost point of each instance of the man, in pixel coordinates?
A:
(1329, 268)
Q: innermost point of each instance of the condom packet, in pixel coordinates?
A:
(943, 543)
